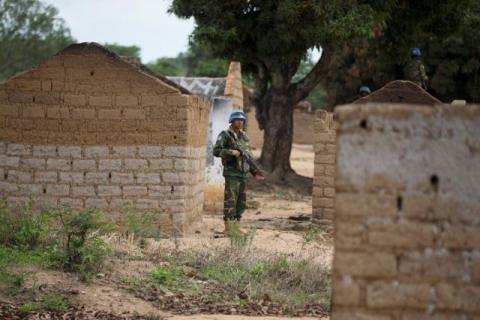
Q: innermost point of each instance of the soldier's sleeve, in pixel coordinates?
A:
(220, 149)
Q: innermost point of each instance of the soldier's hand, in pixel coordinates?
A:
(236, 153)
(259, 176)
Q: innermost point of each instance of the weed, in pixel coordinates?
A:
(169, 275)
(28, 307)
(55, 237)
(238, 239)
(313, 233)
(291, 280)
(79, 246)
(24, 227)
(143, 224)
(54, 302)
(50, 301)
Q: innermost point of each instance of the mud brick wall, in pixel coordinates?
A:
(87, 129)
(233, 85)
(324, 170)
(407, 215)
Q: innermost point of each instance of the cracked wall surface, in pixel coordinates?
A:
(407, 213)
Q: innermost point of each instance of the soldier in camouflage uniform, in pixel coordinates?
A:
(415, 70)
(234, 169)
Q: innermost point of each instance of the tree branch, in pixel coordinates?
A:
(303, 88)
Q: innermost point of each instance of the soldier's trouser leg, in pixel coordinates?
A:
(241, 201)
(234, 198)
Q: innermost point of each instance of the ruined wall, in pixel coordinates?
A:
(323, 196)
(86, 129)
(233, 85)
(407, 220)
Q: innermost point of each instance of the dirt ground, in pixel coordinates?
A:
(279, 217)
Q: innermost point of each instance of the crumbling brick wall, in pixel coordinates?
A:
(407, 219)
(324, 172)
(87, 129)
(233, 85)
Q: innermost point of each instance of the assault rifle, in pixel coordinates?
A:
(246, 156)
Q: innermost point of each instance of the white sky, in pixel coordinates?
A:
(144, 23)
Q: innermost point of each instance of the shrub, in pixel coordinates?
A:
(167, 275)
(79, 246)
(24, 227)
(68, 239)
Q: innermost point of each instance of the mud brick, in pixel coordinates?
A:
(135, 164)
(81, 191)
(134, 191)
(110, 164)
(126, 101)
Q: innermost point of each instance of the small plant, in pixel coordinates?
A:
(238, 239)
(143, 224)
(26, 308)
(167, 275)
(51, 302)
(11, 283)
(80, 247)
(24, 227)
(313, 233)
(54, 302)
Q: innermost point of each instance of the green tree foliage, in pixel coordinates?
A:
(196, 62)
(362, 41)
(169, 66)
(200, 62)
(454, 62)
(126, 51)
(443, 30)
(30, 32)
(271, 38)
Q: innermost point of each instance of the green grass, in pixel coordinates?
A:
(50, 301)
(11, 282)
(16, 256)
(170, 275)
(220, 274)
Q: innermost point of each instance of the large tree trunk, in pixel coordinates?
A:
(275, 97)
(278, 135)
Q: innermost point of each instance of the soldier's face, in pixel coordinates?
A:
(237, 124)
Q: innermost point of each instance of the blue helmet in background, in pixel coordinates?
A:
(415, 52)
(365, 89)
(237, 115)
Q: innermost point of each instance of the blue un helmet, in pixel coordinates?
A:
(415, 52)
(365, 90)
(237, 115)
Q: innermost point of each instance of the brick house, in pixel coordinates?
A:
(87, 129)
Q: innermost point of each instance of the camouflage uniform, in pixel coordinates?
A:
(415, 72)
(235, 197)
